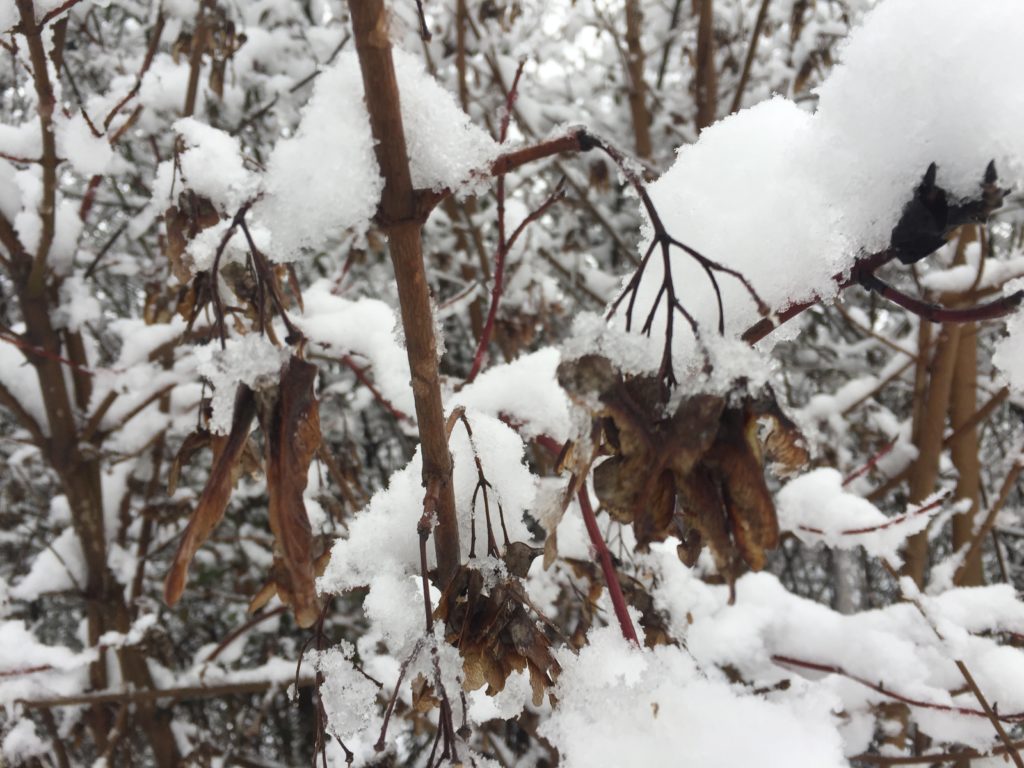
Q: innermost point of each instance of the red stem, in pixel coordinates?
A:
(611, 578)
(870, 463)
(881, 526)
(879, 688)
(496, 290)
(367, 382)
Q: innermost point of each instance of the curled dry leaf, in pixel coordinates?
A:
(695, 472)
(291, 428)
(654, 623)
(494, 632)
(214, 499)
(183, 222)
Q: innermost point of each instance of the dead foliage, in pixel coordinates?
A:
(695, 471)
(290, 421)
(493, 630)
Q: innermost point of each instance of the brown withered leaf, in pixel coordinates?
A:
(693, 428)
(214, 499)
(707, 457)
(423, 697)
(269, 588)
(191, 445)
(736, 458)
(700, 496)
(783, 445)
(291, 436)
(183, 222)
(652, 620)
(495, 634)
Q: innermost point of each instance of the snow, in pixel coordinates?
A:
(525, 391)
(57, 568)
(325, 179)
(363, 327)
(348, 698)
(790, 198)
(251, 360)
(212, 165)
(619, 705)
(1008, 358)
(893, 646)
(31, 669)
(22, 742)
(88, 154)
(817, 508)
(382, 539)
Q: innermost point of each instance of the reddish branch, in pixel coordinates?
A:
(863, 273)
(49, 161)
(833, 669)
(870, 464)
(611, 578)
(503, 244)
(497, 289)
(366, 381)
(882, 526)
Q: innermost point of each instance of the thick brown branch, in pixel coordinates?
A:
(186, 693)
(401, 217)
(49, 160)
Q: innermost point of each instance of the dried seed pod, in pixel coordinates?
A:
(494, 632)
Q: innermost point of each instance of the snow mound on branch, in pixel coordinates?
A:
(325, 179)
(382, 546)
(211, 165)
(816, 508)
(619, 705)
(526, 392)
(251, 360)
(790, 198)
(364, 327)
(1008, 358)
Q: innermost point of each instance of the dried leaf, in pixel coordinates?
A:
(495, 633)
(423, 698)
(748, 502)
(784, 445)
(214, 499)
(292, 436)
(269, 588)
(191, 445)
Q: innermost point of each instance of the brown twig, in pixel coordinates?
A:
(887, 524)
(46, 103)
(184, 693)
(147, 61)
(762, 14)
(401, 216)
(497, 288)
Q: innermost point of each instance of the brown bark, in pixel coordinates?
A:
(706, 80)
(80, 479)
(400, 220)
(637, 86)
(762, 14)
(964, 451)
(78, 471)
(928, 431)
(48, 160)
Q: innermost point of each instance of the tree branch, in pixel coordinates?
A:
(401, 220)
